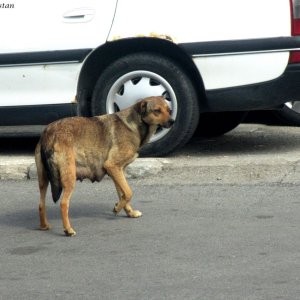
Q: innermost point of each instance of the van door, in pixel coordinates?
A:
(43, 44)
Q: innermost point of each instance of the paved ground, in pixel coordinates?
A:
(194, 241)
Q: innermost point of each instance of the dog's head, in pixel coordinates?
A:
(156, 111)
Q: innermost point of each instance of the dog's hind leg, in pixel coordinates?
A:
(68, 179)
(44, 224)
(43, 185)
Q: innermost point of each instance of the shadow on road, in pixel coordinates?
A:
(246, 139)
(249, 138)
(16, 145)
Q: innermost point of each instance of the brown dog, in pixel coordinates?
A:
(79, 147)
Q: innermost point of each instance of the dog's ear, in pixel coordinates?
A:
(145, 107)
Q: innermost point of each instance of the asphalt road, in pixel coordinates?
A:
(194, 241)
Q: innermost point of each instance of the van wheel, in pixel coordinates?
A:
(137, 76)
(289, 114)
(216, 124)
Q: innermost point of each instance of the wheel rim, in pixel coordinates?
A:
(293, 105)
(134, 86)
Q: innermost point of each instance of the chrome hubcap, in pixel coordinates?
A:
(136, 85)
(294, 105)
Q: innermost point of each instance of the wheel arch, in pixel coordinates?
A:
(102, 56)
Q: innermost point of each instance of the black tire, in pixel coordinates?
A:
(289, 114)
(216, 124)
(180, 92)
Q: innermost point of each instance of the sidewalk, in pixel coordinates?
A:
(251, 154)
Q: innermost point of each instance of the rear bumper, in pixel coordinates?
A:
(266, 95)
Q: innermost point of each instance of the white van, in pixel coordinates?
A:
(213, 59)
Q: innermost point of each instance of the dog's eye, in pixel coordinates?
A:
(157, 111)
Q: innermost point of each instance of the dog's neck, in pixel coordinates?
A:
(134, 122)
(146, 132)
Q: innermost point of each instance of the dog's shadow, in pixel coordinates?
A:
(28, 218)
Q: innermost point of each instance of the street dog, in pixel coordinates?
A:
(76, 148)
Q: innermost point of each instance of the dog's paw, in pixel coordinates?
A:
(69, 232)
(116, 210)
(134, 214)
(45, 227)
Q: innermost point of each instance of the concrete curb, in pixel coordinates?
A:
(15, 167)
(23, 167)
(242, 170)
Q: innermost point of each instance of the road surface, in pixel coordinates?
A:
(194, 241)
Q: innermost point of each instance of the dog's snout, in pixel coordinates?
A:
(169, 123)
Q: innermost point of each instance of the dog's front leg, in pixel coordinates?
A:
(123, 190)
(128, 209)
(131, 212)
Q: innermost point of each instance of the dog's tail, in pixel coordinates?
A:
(52, 174)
